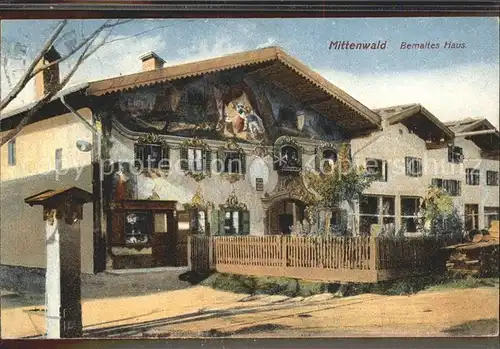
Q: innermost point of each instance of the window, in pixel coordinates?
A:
(377, 169)
(437, 182)
(376, 210)
(231, 162)
(472, 176)
(137, 228)
(58, 162)
(195, 159)
(234, 222)
(490, 214)
(413, 166)
(233, 217)
(455, 154)
(409, 213)
(152, 156)
(289, 160)
(329, 158)
(12, 152)
(491, 177)
(259, 184)
(452, 187)
(471, 216)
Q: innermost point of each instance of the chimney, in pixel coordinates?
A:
(49, 77)
(151, 61)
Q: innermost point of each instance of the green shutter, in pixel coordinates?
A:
(220, 160)
(244, 222)
(184, 158)
(139, 155)
(221, 222)
(165, 158)
(207, 160)
(243, 161)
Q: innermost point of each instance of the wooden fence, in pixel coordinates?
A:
(343, 259)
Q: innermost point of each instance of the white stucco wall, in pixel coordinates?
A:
(22, 228)
(395, 142)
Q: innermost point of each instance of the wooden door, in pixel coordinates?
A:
(184, 222)
(163, 244)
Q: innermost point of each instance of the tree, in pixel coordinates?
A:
(78, 51)
(438, 214)
(339, 182)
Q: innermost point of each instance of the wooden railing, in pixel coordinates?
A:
(353, 259)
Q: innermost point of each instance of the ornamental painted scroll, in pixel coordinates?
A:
(197, 202)
(289, 187)
(233, 204)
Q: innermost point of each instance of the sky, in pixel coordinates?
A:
(452, 83)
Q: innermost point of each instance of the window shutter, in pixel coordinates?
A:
(384, 170)
(243, 160)
(407, 165)
(220, 161)
(214, 222)
(184, 158)
(221, 222)
(165, 158)
(207, 160)
(244, 222)
(277, 156)
(139, 155)
(450, 153)
(118, 228)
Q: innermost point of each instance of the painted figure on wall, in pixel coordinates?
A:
(123, 183)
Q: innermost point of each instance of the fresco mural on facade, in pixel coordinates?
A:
(222, 105)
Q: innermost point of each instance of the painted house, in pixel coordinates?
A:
(213, 147)
(414, 150)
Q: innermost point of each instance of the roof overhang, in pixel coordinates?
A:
(487, 142)
(423, 123)
(271, 64)
(54, 107)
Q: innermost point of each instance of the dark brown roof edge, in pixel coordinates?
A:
(420, 109)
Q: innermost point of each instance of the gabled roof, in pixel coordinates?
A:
(470, 124)
(417, 118)
(487, 142)
(271, 64)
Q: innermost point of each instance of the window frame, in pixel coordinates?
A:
(489, 175)
(404, 217)
(159, 164)
(11, 152)
(472, 176)
(449, 182)
(58, 159)
(409, 164)
(379, 210)
(455, 154)
(148, 226)
(381, 174)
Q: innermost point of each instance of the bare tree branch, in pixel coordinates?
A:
(79, 46)
(86, 52)
(26, 77)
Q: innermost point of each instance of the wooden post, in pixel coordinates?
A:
(189, 253)
(283, 251)
(211, 253)
(373, 253)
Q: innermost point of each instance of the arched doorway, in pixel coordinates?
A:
(283, 214)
